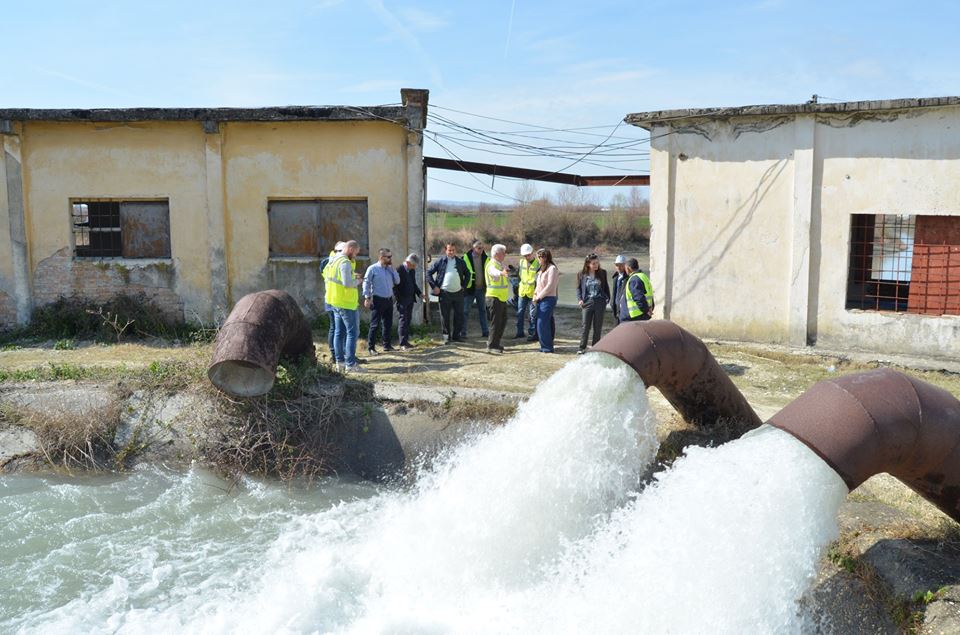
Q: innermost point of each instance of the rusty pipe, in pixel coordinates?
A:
(680, 366)
(883, 421)
(262, 327)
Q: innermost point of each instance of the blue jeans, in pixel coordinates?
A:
(524, 307)
(345, 331)
(545, 333)
(469, 297)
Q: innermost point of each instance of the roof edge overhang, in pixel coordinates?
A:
(391, 114)
(649, 119)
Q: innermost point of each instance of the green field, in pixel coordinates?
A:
(446, 221)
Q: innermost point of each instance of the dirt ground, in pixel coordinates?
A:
(769, 376)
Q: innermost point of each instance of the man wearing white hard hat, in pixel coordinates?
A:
(617, 286)
(529, 266)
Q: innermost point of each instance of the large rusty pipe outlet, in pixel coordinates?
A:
(261, 328)
(680, 366)
(883, 421)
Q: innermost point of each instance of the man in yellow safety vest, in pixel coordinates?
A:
(344, 299)
(498, 292)
(529, 266)
(637, 299)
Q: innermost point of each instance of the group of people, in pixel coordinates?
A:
(630, 298)
(475, 279)
(535, 280)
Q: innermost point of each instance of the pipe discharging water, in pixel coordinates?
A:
(538, 526)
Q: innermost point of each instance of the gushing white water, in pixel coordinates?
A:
(536, 526)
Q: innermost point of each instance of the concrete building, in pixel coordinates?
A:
(831, 224)
(196, 207)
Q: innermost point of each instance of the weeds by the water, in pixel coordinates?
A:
(283, 433)
(76, 440)
(73, 318)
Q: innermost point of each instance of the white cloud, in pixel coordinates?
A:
(422, 21)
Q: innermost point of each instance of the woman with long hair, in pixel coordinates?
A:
(593, 293)
(545, 297)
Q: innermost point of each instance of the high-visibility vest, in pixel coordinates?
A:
(632, 305)
(528, 277)
(339, 292)
(468, 260)
(499, 288)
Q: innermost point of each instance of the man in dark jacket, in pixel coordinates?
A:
(406, 293)
(475, 290)
(448, 278)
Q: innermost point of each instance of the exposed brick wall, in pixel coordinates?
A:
(99, 281)
(8, 311)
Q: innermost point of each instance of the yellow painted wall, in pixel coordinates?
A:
(69, 160)
(309, 160)
(169, 160)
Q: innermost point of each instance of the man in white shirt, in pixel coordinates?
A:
(447, 277)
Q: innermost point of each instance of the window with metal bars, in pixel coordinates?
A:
(121, 229)
(904, 263)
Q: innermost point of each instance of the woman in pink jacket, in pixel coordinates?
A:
(545, 298)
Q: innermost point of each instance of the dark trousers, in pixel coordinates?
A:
(451, 306)
(404, 319)
(381, 318)
(592, 317)
(497, 315)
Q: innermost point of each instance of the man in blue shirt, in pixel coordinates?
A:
(378, 284)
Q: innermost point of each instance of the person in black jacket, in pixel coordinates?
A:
(406, 293)
(593, 293)
(448, 278)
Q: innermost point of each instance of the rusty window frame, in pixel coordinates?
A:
(98, 229)
(325, 218)
(904, 263)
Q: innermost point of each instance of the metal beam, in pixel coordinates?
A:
(535, 175)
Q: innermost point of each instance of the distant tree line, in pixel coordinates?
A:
(572, 217)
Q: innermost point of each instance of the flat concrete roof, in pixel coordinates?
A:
(648, 119)
(393, 114)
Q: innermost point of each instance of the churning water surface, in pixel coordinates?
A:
(538, 526)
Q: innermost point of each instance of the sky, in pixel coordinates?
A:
(545, 67)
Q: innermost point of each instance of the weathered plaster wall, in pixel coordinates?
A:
(161, 160)
(902, 163)
(751, 222)
(218, 179)
(308, 160)
(719, 228)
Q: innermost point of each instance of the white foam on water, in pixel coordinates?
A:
(534, 527)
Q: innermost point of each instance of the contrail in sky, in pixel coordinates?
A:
(506, 47)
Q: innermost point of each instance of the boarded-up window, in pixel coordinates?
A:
(311, 228)
(121, 229)
(904, 263)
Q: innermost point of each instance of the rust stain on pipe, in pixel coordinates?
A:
(680, 366)
(262, 327)
(883, 421)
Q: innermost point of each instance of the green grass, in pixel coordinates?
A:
(444, 221)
